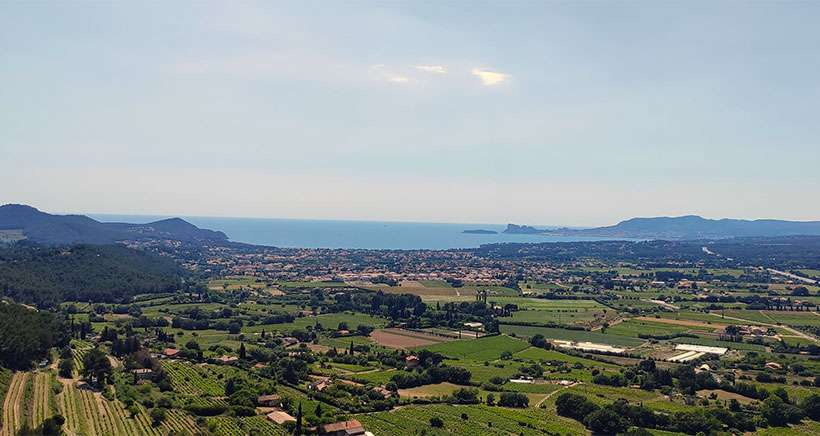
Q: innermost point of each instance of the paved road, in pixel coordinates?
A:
(792, 276)
(784, 327)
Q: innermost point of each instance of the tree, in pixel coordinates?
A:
(606, 421)
(811, 406)
(436, 422)
(158, 415)
(96, 366)
(539, 341)
(490, 399)
(67, 368)
(242, 353)
(465, 396)
(318, 410)
(513, 399)
(779, 413)
(574, 406)
(298, 430)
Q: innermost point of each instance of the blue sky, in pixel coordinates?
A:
(579, 113)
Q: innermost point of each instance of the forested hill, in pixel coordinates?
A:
(44, 228)
(784, 252)
(686, 227)
(100, 273)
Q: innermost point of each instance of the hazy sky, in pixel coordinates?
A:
(579, 113)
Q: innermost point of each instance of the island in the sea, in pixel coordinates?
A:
(522, 230)
(480, 232)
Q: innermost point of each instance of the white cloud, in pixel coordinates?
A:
(398, 79)
(490, 78)
(437, 69)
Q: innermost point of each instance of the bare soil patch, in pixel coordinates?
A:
(402, 339)
(684, 322)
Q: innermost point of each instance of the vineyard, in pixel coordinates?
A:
(466, 420)
(255, 425)
(40, 406)
(198, 380)
(13, 404)
(79, 350)
(88, 413)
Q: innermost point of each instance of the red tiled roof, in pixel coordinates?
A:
(343, 425)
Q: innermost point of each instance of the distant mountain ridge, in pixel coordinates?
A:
(45, 228)
(685, 227)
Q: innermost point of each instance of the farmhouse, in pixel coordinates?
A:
(289, 340)
(170, 353)
(343, 428)
(271, 400)
(474, 325)
(280, 417)
(384, 392)
(319, 385)
(142, 374)
(226, 359)
(411, 361)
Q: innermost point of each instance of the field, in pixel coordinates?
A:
(437, 290)
(486, 348)
(398, 338)
(14, 403)
(11, 235)
(571, 335)
(89, 413)
(198, 380)
(793, 318)
(634, 327)
(580, 317)
(328, 321)
(476, 419)
(254, 425)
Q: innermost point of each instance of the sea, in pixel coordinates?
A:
(306, 233)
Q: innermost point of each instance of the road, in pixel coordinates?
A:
(792, 276)
(784, 327)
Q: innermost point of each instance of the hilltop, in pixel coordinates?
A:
(25, 222)
(685, 227)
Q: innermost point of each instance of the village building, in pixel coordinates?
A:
(319, 385)
(411, 361)
(170, 353)
(280, 417)
(343, 428)
(271, 400)
(142, 374)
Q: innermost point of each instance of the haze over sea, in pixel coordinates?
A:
(303, 233)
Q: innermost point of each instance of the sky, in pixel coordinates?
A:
(553, 113)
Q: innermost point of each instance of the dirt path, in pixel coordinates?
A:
(538, 404)
(784, 327)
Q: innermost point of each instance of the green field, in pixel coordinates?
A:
(486, 348)
(480, 419)
(571, 335)
(328, 321)
(635, 327)
(581, 316)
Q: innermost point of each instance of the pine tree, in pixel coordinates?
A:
(242, 351)
(298, 430)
